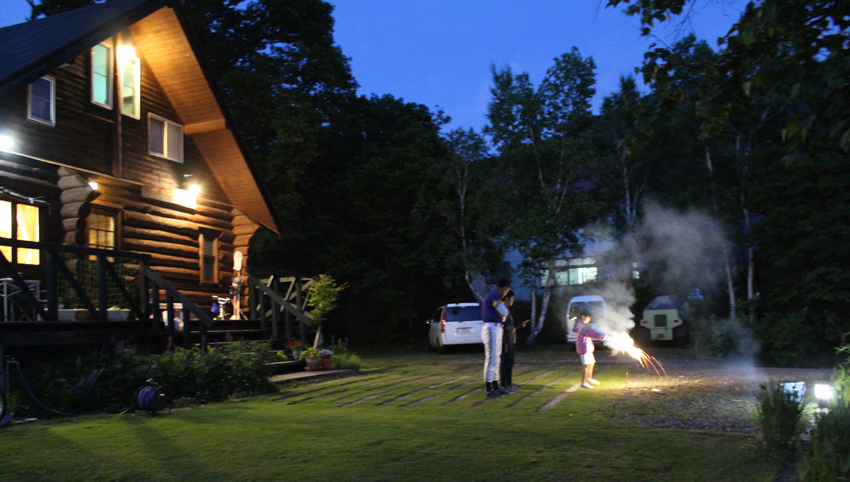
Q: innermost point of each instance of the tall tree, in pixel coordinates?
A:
(545, 151)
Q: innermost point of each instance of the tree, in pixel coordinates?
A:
(545, 152)
(468, 207)
(771, 38)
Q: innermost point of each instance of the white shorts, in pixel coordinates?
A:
(587, 359)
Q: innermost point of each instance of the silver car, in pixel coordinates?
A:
(455, 324)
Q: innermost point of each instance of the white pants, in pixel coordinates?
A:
(491, 335)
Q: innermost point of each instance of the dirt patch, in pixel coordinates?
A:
(697, 394)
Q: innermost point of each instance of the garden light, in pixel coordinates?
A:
(823, 392)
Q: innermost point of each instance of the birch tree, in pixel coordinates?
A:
(545, 150)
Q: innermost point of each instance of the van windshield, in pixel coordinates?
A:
(596, 309)
(463, 313)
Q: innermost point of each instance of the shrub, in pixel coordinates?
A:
(723, 339)
(100, 383)
(828, 455)
(779, 417)
(346, 361)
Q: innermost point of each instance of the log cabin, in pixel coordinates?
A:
(115, 139)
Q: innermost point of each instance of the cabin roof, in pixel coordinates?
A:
(33, 49)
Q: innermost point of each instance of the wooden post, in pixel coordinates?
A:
(298, 304)
(169, 315)
(102, 284)
(253, 292)
(144, 302)
(276, 311)
(52, 285)
(187, 333)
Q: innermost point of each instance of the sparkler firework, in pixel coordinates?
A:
(625, 344)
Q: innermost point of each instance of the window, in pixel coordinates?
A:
(209, 257)
(21, 222)
(130, 81)
(102, 229)
(165, 138)
(41, 104)
(101, 75)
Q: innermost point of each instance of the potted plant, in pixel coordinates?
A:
(311, 358)
(325, 356)
(296, 346)
(324, 294)
(116, 313)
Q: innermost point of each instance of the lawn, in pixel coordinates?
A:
(413, 418)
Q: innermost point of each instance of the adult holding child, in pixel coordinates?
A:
(493, 312)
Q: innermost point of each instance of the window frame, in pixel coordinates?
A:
(112, 213)
(137, 81)
(216, 256)
(14, 231)
(110, 75)
(165, 154)
(52, 121)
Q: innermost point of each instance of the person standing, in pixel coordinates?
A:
(584, 347)
(493, 312)
(506, 368)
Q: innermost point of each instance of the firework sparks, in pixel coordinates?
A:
(625, 344)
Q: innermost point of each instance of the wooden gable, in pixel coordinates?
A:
(162, 41)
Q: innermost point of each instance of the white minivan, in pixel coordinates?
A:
(455, 324)
(598, 312)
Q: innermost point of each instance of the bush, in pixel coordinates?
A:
(779, 416)
(346, 361)
(728, 339)
(828, 455)
(99, 383)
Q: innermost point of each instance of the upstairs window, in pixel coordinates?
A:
(101, 75)
(20, 222)
(165, 138)
(130, 82)
(41, 103)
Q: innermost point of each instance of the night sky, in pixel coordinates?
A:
(439, 53)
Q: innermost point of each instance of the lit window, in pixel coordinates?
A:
(165, 138)
(42, 101)
(101, 75)
(580, 276)
(209, 257)
(21, 222)
(130, 81)
(101, 231)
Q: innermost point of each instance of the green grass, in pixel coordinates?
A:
(409, 418)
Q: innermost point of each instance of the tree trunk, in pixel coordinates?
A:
(537, 323)
(730, 282)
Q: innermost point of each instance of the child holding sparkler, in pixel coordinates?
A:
(584, 347)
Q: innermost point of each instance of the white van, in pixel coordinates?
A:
(598, 312)
(455, 324)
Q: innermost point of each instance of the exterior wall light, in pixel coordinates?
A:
(823, 392)
(93, 185)
(6, 143)
(195, 189)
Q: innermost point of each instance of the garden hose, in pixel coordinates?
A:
(32, 395)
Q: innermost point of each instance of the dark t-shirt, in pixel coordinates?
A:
(488, 311)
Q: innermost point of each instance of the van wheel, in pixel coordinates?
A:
(441, 349)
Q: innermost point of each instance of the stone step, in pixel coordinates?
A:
(298, 376)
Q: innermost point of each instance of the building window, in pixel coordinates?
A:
(101, 75)
(41, 104)
(165, 138)
(20, 222)
(102, 229)
(130, 82)
(209, 257)
(582, 270)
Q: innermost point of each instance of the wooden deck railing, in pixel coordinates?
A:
(143, 305)
(275, 293)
